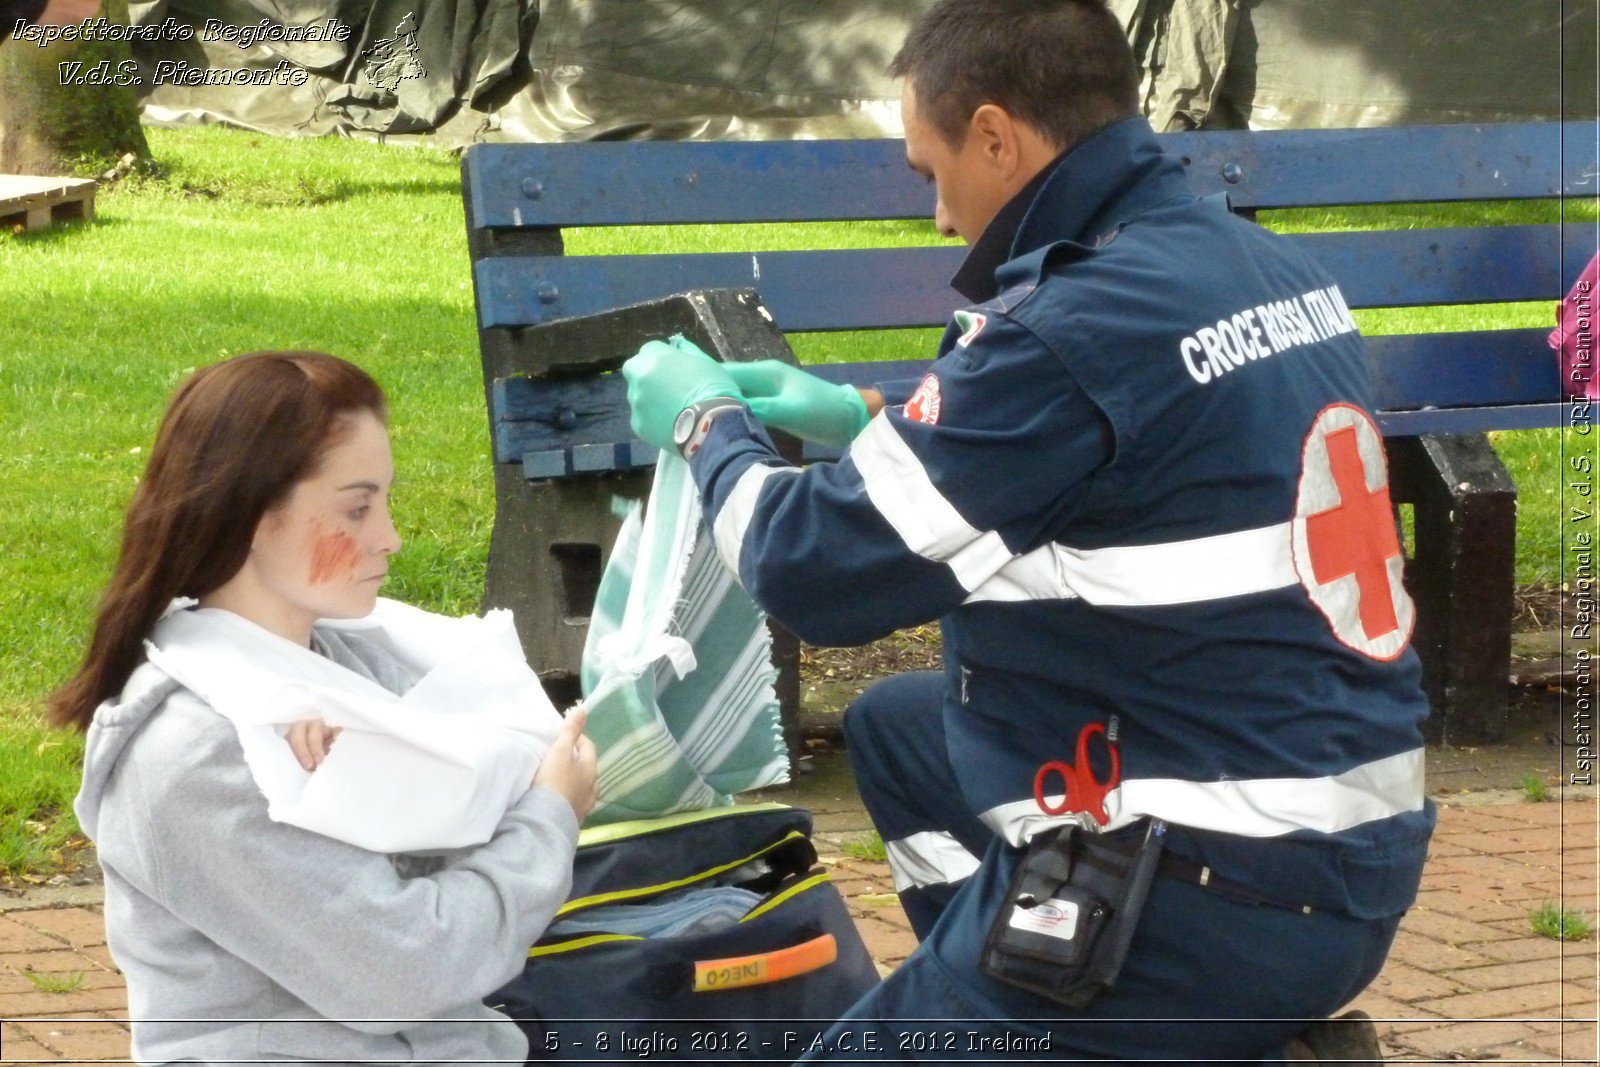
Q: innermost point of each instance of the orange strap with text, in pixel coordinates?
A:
(761, 968)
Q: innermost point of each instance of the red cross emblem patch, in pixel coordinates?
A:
(1346, 550)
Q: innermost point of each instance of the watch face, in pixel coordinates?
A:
(683, 426)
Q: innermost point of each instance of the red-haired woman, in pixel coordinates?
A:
(244, 937)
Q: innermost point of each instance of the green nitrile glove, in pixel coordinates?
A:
(663, 379)
(789, 399)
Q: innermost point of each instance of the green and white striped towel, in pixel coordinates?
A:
(677, 668)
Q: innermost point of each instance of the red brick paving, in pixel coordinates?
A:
(1489, 865)
(15, 937)
(1467, 980)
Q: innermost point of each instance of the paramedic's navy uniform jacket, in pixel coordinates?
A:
(1138, 482)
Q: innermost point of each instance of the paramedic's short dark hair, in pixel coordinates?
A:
(1062, 66)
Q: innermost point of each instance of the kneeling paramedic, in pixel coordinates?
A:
(1166, 797)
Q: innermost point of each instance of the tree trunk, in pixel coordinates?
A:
(57, 119)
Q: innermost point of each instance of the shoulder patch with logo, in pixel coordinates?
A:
(924, 403)
(970, 322)
(1346, 550)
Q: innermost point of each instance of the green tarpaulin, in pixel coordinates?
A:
(523, 70)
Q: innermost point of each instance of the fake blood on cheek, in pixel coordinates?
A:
(333, 557)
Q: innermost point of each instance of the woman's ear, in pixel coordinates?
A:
(271, 522)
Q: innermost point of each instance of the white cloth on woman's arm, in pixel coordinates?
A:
(432, 769)
(245, 940)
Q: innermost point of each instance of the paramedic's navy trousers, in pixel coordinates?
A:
(1199, 961)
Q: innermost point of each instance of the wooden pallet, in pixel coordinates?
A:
(29, 202)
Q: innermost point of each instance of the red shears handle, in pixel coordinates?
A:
(1082, 790)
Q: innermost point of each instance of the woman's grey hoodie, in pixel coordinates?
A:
(246, 939)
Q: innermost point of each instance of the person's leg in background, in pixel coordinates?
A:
(894, 735)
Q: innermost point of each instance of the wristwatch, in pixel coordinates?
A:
(693, 423)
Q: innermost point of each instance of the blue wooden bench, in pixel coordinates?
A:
(562, 448)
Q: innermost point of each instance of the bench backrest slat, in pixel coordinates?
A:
(1408, 370)
(1415, 164)
(1472, 369)
(842, 290)
(1474, 420)
(1480, 368)
(520, 198)
(643, 183)
(872, 288)
(513, 186)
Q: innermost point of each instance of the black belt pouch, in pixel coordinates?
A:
(1070, 912)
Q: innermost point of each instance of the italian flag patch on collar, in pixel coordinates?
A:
(970, 322)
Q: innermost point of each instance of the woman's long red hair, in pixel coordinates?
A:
(235, 439)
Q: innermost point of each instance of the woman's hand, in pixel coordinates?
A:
(310, 740)
(569, 766)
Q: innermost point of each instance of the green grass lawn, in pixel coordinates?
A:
(248, 243)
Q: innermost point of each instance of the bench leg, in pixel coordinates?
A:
(1461, 574)
(548, 548)
(786, 658)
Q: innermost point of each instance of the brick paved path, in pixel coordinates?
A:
(1467, 980)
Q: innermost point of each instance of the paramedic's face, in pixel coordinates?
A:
(968, 190)
(324, 552)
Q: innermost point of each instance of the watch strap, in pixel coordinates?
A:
(704, 411)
